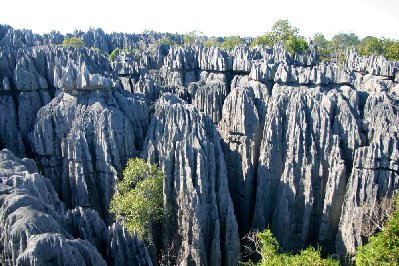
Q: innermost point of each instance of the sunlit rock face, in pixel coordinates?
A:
(202, 224)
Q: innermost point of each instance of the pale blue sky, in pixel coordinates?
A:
(212, 17)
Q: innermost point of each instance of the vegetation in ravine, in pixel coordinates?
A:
(383, 247)
(266, 246)
(138, 202)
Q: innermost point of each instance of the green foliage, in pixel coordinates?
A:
(166, 40)
(230, 42)
(272, 255)
(212, 42)
(266, 40)
(382, 248)
(296, 45)
(114, 54)
(95, 49)
(370, 45)
(282, 31)
(72, 41)
(138, 202)
(391, 49)
(323, 46)
(343, 41)
(190, 37)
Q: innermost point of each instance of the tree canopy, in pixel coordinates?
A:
(283, 32)
(138, 202)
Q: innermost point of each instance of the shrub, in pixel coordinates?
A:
(271, 254)
(212, 42)
(323, 46)
(296, 45)
(266, 40)
(72, 41)
(391, 49)
(382, 248)
(190, 37)
(230, 42)
(114, 54)
(138, 202)
(370, 45)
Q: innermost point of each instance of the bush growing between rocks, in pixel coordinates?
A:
(382, 248)
(138, 202)
(114, 54)
(268, 248)
(73, 41)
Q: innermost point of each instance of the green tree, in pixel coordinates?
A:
(114, 54)
(391, 49)
(73, 41)
(138, 202)
(323, 46)
(296, 45)
(230, 42)
(213, 41)
(343, 41)
(190, 37)
(272, 255)
(282, 30)
(370, 45)
(266, 40)
(382, 248)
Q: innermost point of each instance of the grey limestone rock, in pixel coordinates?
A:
(202, 224)
(82, 142)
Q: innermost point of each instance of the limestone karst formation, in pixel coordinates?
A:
(251, 137)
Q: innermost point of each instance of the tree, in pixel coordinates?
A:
(382, 248)
(370, 45)
(296, 45)
(323, 46)
(282, 30)
(212, 42)
(230, 42)
(267, 246)
(138, 202)
(391, 49)
(72, 41)
(266, 40)
(343, 41)
(190, 37)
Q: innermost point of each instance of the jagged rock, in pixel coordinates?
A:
(30, 213)
(202, 223)
(240, 128)
(82, 142)
(126, 250)
(375, 173)
(297, 152)
(374, 65)
(209, 97)
(35, 229)
(10, 137)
